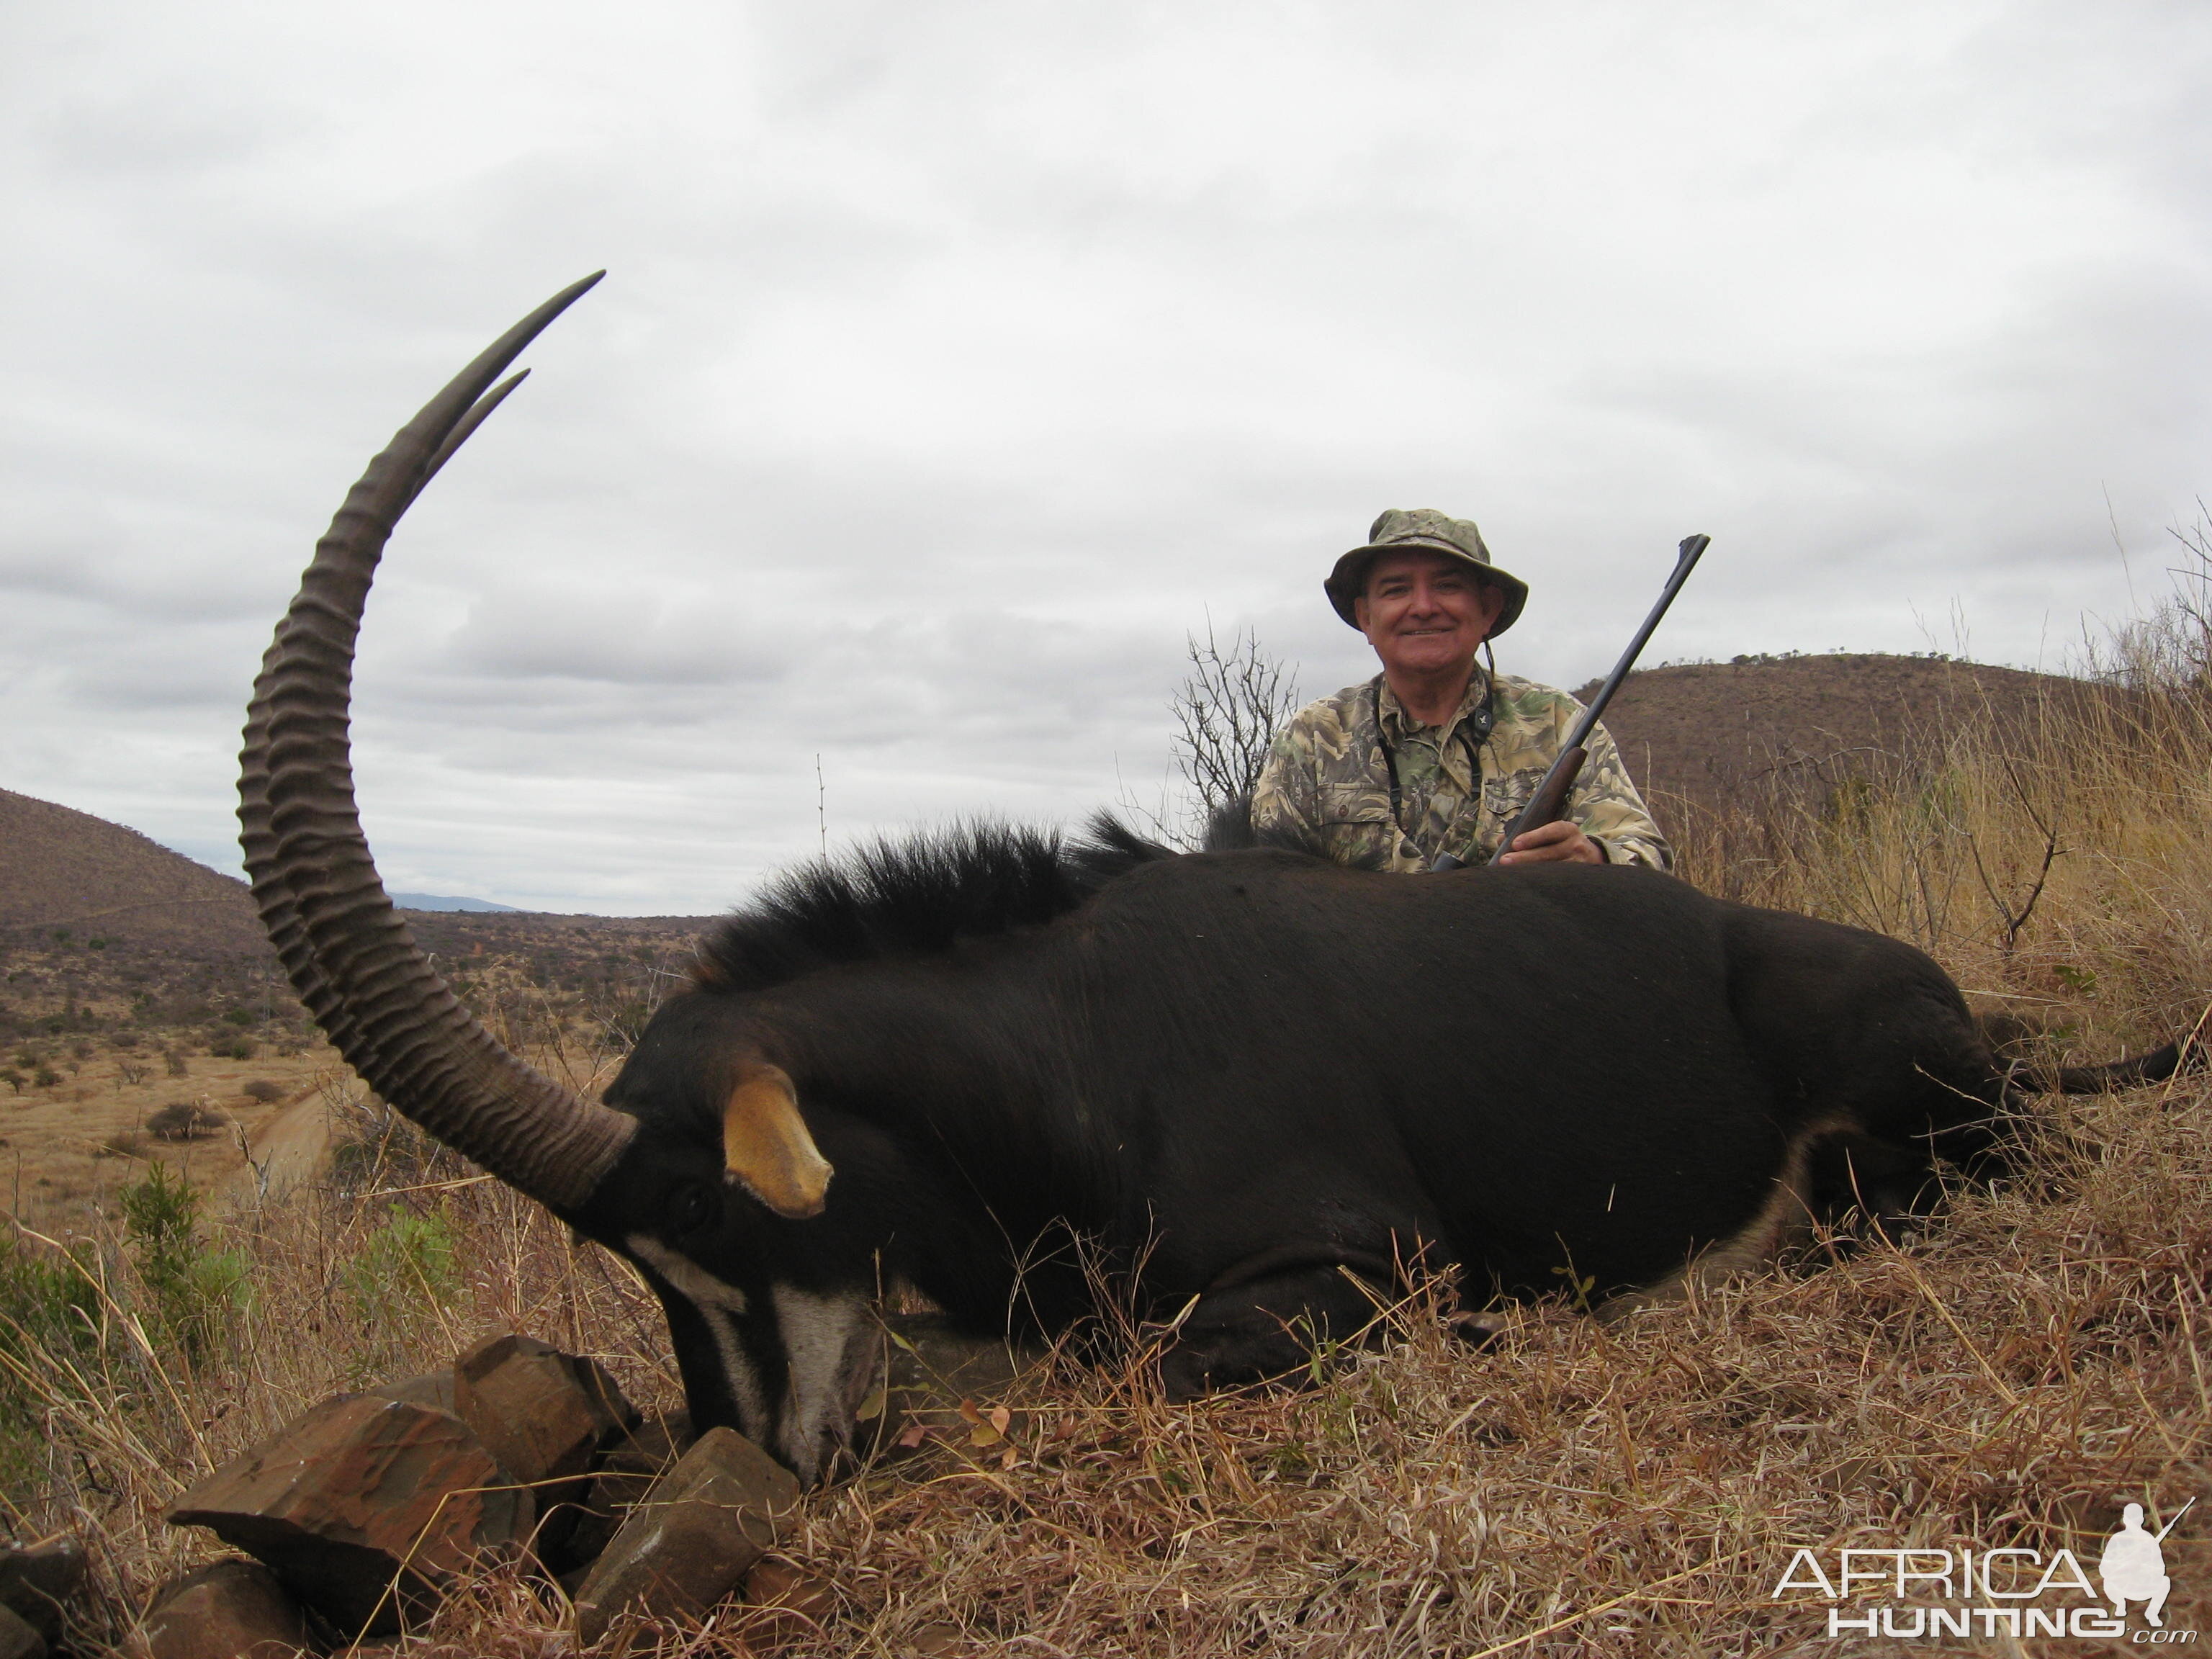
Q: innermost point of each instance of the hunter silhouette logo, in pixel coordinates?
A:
(1990, 1593)
(2133, 1566)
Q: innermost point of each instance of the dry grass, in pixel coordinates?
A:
(2010, 1377)
(1577, 1488)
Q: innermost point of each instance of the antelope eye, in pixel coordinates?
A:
(692, 1208)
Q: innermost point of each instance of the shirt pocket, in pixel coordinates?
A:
(1355, 825)
(1353, 803)
(1503, 796)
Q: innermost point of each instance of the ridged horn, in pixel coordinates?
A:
(351, 957)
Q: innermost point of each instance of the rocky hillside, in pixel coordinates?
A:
(68, 869)
(1705, 733)
(102, 930)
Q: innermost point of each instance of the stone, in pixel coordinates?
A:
(18, 1640)
(684, 1548)
(784, 1606)
(543, 1415)
(363, 1506)
(532, 1410)
(652, 1446)
(598, 1382)
(231, 1610)
(521, 1398)
(628, 1465)
(432, 1389)
(37, 1580)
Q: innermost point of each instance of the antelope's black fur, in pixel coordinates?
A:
(893, 899)
(1239, 1075)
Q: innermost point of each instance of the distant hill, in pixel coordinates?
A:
(1704, 734)
(1694, 735)
(443, 902)
(66, 869)
(101, 928)
(62, 868)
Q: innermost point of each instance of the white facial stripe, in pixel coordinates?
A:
(738, 1369)
(824, 1338)
(719, 1306)
(698, 1286)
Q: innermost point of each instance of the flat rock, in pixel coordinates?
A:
(432, 1389)
(598, 1382)
(37, 1581)
(541, 1412)
(18, 1640)
(652, 1447)
(543, 1415)
(360, 1498)
(687, 1545)
(231, 1610)
(629, 1464)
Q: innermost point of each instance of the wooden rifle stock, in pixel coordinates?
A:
(1549, 804)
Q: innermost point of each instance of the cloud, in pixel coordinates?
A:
(959, 361)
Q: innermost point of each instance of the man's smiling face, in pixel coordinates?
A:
(1426, 613)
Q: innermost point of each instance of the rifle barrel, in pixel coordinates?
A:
(1685, 560)
(2176, 1521)
(1570, 754)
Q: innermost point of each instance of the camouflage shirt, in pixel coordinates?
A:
(1327, 782)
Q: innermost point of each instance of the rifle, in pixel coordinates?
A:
(1548, 805)
(2163, 1530)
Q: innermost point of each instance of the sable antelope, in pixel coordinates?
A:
(1250, 1071)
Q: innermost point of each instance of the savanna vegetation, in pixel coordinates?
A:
(2007, 1376)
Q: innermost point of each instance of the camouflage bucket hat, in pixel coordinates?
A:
(1422, 530)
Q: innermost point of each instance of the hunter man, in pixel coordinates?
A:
(1435, 754)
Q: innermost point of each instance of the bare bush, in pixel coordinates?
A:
(1227, 711)
(186, 1120)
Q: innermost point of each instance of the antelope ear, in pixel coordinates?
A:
(766, 1145)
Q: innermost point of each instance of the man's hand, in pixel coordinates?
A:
(1559, 843)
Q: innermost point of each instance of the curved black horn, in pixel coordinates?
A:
(351, 957)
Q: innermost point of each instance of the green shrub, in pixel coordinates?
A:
(193, 1291)
(406, 1267)
(50, 1310)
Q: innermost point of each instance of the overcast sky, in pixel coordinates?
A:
(957, 361)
